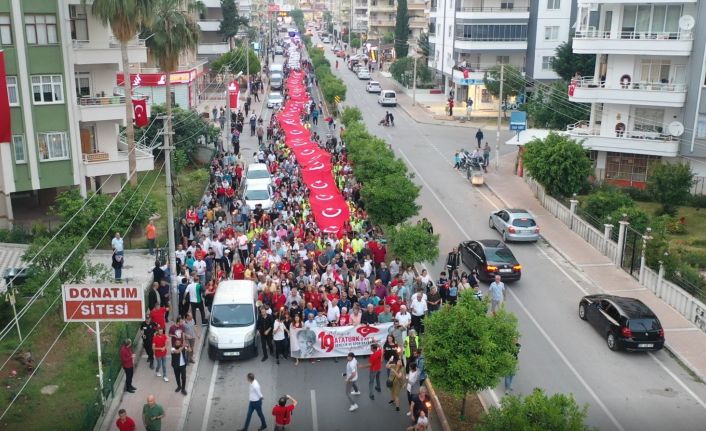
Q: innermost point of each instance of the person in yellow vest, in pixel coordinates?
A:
(411, 344)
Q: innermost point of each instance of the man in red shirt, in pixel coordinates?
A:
(158, 315)
(125, 422)
(375, 365)
(283, 412)
(126, 358)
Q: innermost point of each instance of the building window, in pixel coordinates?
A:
(12, 92)
(5, 30)
(53, 146)
(642, 21)
(502, 59)
(507, 5)
(701, 127)
(628, 167)
(83, 84)
(40, 29)
(551, 33)
(649, 120)
(547, 62)
(79, 22)
(47, 89)
(553, 4)
(493, 32)
(485, 96)
(18, 147)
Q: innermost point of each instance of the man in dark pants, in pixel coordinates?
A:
(147, 331)
(254, 403)
(479, 136)
(265, 325)
(179, 361)
(453, 260)
(127, 360)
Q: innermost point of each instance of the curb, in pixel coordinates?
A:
(437, 406)
(192, 378)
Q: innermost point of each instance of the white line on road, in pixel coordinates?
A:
(546, 336)
(678, 380)
(209, 397)
(314, 417)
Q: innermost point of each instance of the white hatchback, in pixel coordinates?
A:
(259, 195)
(257, 175)
(363, 73)
(373, 87)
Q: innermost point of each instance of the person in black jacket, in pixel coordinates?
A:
(453, 260)
(265, 325)
(179, 361)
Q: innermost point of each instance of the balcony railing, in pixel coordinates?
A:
(96, 156)
(100, 100)
(583, 128)
(593, 82)
(493, 9)
(592, 33)
(491, 39)
(112, 43)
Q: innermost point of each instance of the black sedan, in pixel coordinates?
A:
(490, 257)
(627, 323)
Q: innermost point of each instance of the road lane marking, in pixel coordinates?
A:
(546, 336)
(314, 417)
(209, 397)
(689, 329)
(678, 380)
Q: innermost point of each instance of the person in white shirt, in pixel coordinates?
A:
(403, 317)
(333, 313)
(254, 404)
(200, 268)
(351, 377)
(419, 310)
(278, 335)
(180, 254)
(117, 244)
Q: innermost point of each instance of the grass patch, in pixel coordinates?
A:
(695, 219)
(452, 410)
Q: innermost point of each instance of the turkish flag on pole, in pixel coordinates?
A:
(139, 108)
(233, 91)
(5, 124)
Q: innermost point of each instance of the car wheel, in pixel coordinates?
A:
(582, 311)
(612, 341)
(490, 223)
(212, 353)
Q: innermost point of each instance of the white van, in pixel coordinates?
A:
(276, 69)
(387, 98)
(232, 331)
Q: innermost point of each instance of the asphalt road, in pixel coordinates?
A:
(560, 353)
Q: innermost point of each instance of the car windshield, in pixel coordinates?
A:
(258, 174)
(503, 255)
(275, 96)
(643, 324)
(524, 222)
(232, 315)
(257, 195)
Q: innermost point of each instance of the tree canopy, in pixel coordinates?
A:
(670, 183)
(297, 16)
(402, 29)
(231, 22)
(412, 243)
(236, 61)
(514, 82)
(566, 63)
(559, 163)
(550, 108)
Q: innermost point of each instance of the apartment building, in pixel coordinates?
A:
(212, 44)
(382, 17)
(476, 35)
(66, 112)
(646, 91)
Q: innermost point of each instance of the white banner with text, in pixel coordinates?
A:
(337, 341)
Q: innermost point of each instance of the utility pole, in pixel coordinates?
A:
(414, 83)
(350, 24)
(247, 63)
(500, 110)
(174, 295)
(226, 81)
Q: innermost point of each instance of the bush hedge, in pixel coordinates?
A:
(328, 83)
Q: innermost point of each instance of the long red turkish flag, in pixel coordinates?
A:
(5, 121)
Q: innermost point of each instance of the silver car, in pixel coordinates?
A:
(514, 225)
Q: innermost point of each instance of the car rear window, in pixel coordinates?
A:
(257, 195)
(648, 324)
(524, 222)
(258, 174)
(503, 255)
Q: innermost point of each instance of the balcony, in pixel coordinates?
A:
(211, 3)
(209, 24)
(101, 163)
(418, 22)
(590, 89)
(381, 23)
(416, 6)
(495, 13)
(92, 109)
(592, 2)
(95, 52)
(213, 48)
(634, 142)
(592, 41)
(383, 8)
(468, 44)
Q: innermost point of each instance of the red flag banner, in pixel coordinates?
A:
(5, 122)
(233, 91)
(139, 109)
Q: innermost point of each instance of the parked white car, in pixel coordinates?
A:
(363, 73)
(373, 87)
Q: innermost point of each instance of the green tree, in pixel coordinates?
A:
(402, 69)
(670, 183)
(514, 82)
(402, 29)
(566, 63)
(174, 32)
(125, 18)
(231, 22)
(604, 203)
(542, 107)
(388, 37)
(468, 350)
(412, 243)
(297, 16)
(559, 163)
(236, 61)
(537, 412)
(355, 43)
(390, 199)
(189, 128)
(351, 115)
(423, 44)
(639, 219)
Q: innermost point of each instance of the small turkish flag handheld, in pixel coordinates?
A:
(572, 88)
(139, 107)
(233, 91)
(465, 73)
(5, 124)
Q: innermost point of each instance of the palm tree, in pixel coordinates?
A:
(125, 18)
(174, 32)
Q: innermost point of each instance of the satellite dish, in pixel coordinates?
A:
(687, 22)
(676, 128)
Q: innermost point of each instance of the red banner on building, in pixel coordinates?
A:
(5, 121)
(233, 92)
(85, 303)
(139, 107)
(157, 79)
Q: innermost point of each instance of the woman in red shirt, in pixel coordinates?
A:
(238, 271)
(345, 318)
(159, 346)
(279, 300)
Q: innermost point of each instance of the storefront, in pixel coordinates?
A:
(186, 87)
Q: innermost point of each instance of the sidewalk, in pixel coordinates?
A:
(683, 338)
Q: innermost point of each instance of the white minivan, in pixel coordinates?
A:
(232, 331)
(276, 69)
(387, 98)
